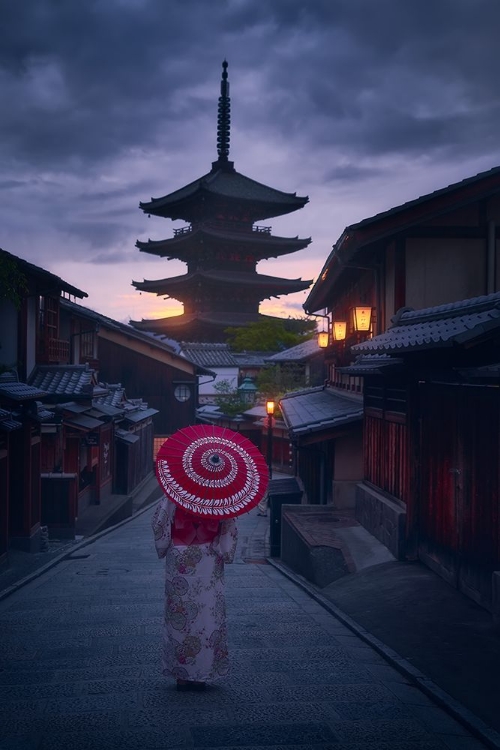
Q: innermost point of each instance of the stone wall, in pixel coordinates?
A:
(385, 519)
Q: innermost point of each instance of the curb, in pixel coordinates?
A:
(470, 721)
(68, 552)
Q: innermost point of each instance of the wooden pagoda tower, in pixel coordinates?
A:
(221, 246)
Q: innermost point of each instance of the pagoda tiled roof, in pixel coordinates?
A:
(225, 183)
(442, 326)
(271, 284)
(263, 243)
(183, 326)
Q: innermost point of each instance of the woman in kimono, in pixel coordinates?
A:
(194, 631)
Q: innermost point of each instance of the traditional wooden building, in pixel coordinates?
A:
(30, 299)
(414, 290)
(221, 246)
(431, 486)
(147, 365)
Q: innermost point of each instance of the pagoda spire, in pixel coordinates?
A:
(223, 117)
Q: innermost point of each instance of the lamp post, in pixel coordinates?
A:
(270, 411)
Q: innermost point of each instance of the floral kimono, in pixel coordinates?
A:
(194, 631)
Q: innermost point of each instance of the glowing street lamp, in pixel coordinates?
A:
(270, 405)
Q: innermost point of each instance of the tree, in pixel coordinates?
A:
(270, 334)
(228, 399)
(13, 283)
(274, 381)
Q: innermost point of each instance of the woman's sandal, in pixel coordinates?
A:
(190, 685)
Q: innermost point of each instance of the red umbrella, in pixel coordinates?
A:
(212, 471)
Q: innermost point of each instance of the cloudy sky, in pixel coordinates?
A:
(359, 104)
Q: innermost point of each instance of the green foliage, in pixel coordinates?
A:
(270, 335)
(13, 283)
(274, 381)
(228, 399)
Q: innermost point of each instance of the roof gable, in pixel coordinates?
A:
(396, 220)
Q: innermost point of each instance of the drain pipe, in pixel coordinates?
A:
(491, 252)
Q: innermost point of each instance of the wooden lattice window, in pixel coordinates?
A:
(386, 399)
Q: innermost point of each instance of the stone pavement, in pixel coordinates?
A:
(79, 664)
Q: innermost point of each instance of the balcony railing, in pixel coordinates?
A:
(233, 226)
(51, 351)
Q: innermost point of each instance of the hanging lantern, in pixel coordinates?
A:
(362, 318)
(339, 330)
(323, 339)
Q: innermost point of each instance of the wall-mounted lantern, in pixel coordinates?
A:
(362, 318)
(323, 339)
(339, 330)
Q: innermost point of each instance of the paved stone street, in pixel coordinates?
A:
(79, 664)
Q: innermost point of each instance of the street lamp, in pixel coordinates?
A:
(247, 390)
(270, 411)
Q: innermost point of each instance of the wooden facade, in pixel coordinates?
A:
(459, 498)
(156, 382)
(429, 485)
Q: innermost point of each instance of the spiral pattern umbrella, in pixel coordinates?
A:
(212, 471)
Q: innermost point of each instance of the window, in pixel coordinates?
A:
(182, 393)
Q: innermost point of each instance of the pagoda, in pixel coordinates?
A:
(221, 246)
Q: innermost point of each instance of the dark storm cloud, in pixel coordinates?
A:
(108, 102)
(385, 77)
(86, 80)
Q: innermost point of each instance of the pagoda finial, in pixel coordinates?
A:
(224, 117)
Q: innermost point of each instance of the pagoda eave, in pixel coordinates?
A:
(199, 326)
(228, 187)
(259, 243)
(184, 284)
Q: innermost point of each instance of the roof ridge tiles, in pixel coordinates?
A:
(448, 310)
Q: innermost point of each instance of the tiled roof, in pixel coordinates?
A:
(305, 350)
(370, 364)
(427, 197)
(244, 279)
(7, 421)
(319, 409)
(209, 355)
(47, 278)
(436, 327)
(22, 391)
(486, 372)
(388, 223)
(63, 380)
(251, 359)
(83, 422)
(229, 184)
(160, 341)
(264, 244)
(180, 323)
(115, 396)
